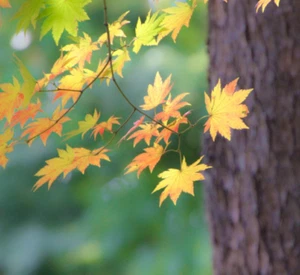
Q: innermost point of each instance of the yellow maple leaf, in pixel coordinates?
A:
(225, 109)
(68, 160)
(263, 4)
(81, 52)
(83, 126)
(146, 32)
(122, 56)
(176, 17)
(157, 93)
(5, 146)
(149, 159)
(177, 181)
(115, 30)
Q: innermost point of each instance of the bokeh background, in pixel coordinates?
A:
(104, 222)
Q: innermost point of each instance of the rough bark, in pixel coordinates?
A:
(253, 191)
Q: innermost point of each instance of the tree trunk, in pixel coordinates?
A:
(253, 190)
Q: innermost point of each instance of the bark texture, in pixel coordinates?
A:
(253, 191)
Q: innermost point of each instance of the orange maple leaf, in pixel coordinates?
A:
(263, 4)
(105, 126)
(22, 116)
(5, 4)
(225, 109)
(68, 160)
(177, 181)
(165, 134)
(135, 125)
(148, 130)
(149, 159)
(10, 99)
(171, 107)
(157, 93)
(5, 146)
(43, 127)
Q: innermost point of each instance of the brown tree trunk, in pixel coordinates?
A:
(253, 191)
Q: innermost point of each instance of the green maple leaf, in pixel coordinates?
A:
(28, 13)
(63, 15)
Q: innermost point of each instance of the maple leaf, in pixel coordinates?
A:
(10, 99)
(225, 109)
(105, 126)
(171, 107)
(176, 18)
(263, 4)
(165, 134)
(81, 52)
(68, 160)
(122, 55)
(149, 159)
(115, 29)
(177, 181)
(5, 4)
(135, 125)
(63, 15)
(43, 127)
(22, 116)
(148, 131)
(5, 147)
(157, 93)
(147, 31)
(28, 14)
(83, 126)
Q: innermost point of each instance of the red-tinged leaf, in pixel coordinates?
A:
(43, 127)
(81, 52)
(149, 159)
(148, 130)
(171, 107)
(135, 125)
(22, 116)
(5, 4)
(105, 126)
(177, 181)
(10, 99)
(165, 134)
(68, 160)
(115, 30)
(157, 93)
(83, 126)
(5, 146)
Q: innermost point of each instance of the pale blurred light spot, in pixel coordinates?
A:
(20, 41)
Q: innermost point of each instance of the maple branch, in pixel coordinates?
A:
(72, 106)
(116, 132)
(113, 75)
(194, 124)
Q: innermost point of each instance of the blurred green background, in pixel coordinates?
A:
(104, 222)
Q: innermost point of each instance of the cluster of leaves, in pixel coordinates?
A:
(161, 116)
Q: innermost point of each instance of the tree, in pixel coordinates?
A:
(253, 191)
